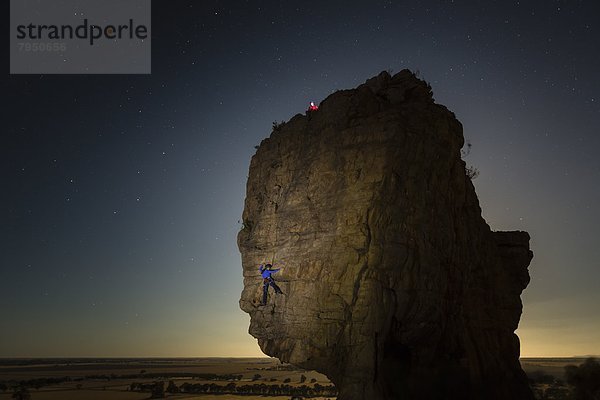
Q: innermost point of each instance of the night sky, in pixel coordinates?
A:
(122, 194)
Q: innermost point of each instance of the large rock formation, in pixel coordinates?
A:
(395, 286)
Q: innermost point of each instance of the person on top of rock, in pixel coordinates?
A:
(266, 270)
(313, 107)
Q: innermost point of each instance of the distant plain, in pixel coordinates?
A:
(111, 378)
(87, 382)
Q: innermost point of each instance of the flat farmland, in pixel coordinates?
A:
(116, 379)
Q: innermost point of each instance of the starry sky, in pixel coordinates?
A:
(122, 194)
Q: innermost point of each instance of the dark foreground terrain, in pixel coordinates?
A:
(205, 378)
(193, 378)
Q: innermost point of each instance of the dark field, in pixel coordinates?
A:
(549, 366)
(99, 379)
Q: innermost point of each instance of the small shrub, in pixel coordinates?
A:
(472, 172)
(158, 391)
(465, 151)
(21, 394)
(172, 388)
(585, 379)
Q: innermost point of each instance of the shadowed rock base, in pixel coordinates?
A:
(396, 287)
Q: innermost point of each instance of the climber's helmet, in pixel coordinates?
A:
(268, 266)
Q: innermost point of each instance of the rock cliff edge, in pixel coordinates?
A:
(394, 285)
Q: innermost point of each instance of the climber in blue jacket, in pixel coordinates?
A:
(266, 270)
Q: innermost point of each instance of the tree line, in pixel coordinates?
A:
(39, 383)
(262, 389)
(582, 383)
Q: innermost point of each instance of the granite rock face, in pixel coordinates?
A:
(394, 285)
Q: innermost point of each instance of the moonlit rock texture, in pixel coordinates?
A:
(395, 286)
